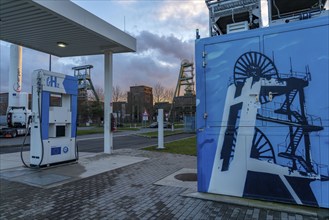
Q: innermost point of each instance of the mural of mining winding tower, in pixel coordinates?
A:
(251, 100)
(262, 86)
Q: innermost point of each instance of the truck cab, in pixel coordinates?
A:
(18, 117)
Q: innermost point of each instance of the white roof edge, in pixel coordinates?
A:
(75, 13)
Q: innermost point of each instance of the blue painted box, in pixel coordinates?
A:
(263, 113)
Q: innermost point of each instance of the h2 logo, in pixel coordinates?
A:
(52, 81)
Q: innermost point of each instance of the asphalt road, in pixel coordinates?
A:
(95, 143)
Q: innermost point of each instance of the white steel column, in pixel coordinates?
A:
(160, 129)
(15, 70)
(265, 13)
(108, 84)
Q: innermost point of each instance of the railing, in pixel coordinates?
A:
(300, 75)
(321, 169)
(267, 112)
(314, 120)
(311, 119)
(298, 158)
(223, 5)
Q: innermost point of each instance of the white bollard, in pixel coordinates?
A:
(160, 129)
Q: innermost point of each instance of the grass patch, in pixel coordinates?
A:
(154, 134)
(94, 130)
(186, 146)
(179, 125)
(127, 129)
(98, 130)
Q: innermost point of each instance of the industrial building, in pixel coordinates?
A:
(140, 99)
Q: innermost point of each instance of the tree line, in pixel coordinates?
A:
(160, 94)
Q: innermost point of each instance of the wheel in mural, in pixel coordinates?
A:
(262, 148)
(254, 64)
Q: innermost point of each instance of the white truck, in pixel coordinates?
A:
(18, 117)
(18, 114)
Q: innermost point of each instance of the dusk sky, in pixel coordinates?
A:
(165, 33)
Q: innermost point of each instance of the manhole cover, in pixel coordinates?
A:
(186, 177)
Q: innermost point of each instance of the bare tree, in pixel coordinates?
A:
(169, 94)
(117, 94)
(123, 96)
(158, 92)
(100, 93)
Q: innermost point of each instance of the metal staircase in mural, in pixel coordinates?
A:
(289, 90)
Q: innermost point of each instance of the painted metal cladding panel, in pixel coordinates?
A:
(200, 77)
(200, 122)
(74, 112)
(206, 142)
(263, 113)
(206, 148)
(70, 84)
(45, 101)
(219, 60)
(307, 50)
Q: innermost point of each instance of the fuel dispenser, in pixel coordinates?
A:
(54, 115)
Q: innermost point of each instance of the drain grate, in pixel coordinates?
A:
(191, 177)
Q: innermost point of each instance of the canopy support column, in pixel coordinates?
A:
(108, 85)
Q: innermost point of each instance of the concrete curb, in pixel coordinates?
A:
(282, 207)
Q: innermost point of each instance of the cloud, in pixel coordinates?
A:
(127, 2)
(183, 17)
(166, 45)
(181, 10)
(158, 58)
(165, 33)
(165, 17)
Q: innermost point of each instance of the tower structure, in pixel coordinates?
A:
(183, 102)
(85, 86)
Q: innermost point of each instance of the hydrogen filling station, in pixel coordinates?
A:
(56, 28)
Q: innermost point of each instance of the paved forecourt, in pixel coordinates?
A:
(130, 192)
